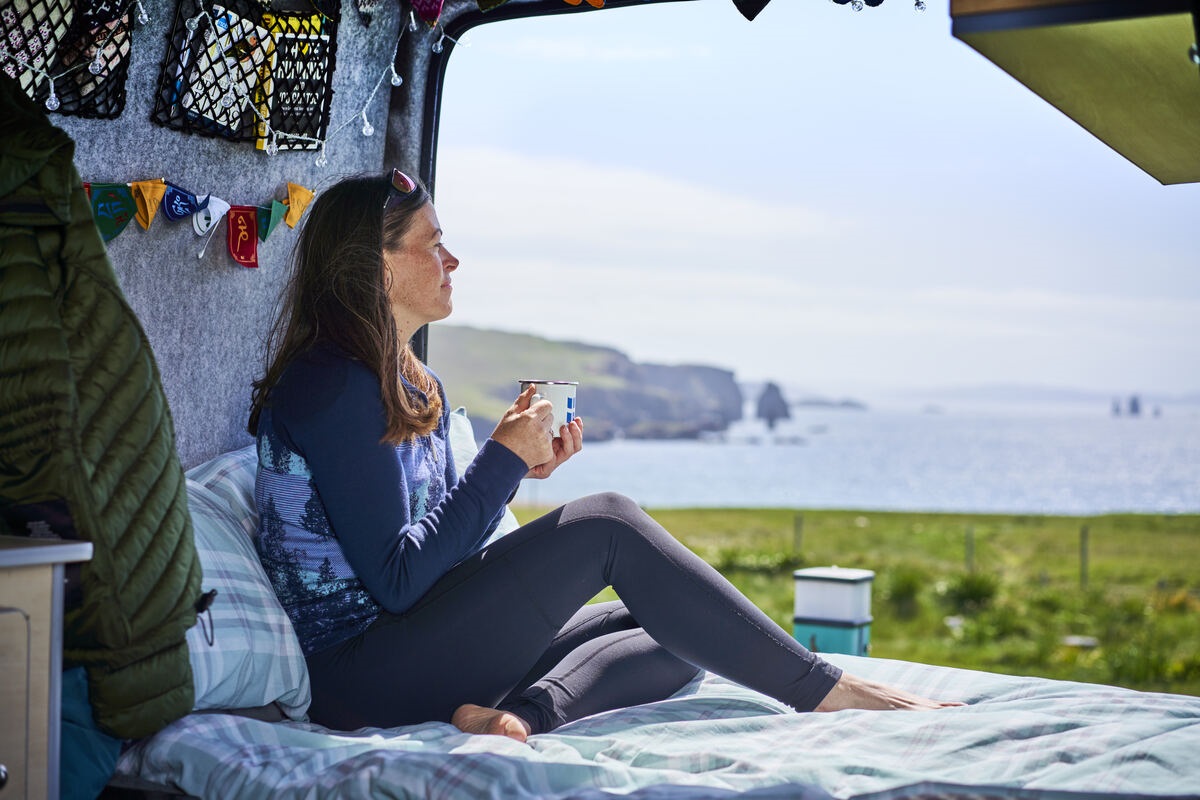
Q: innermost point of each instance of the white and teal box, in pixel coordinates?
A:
(833, 609)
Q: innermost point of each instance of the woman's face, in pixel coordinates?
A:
(417, 274)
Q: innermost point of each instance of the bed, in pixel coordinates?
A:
(1018, 737)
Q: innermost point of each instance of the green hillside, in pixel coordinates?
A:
(999, 592)
(617, 397)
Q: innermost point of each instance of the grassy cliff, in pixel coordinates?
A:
(616, 397)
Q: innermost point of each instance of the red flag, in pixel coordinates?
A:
(428, 10)
(242, 223)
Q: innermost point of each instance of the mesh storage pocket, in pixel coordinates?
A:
(81, 47)
(244, 72)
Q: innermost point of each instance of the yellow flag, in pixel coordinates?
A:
(298, 200)
(146, 196)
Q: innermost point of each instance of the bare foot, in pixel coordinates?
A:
(475, 719)
(853, 692)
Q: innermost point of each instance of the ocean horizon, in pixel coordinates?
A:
(1033, 460)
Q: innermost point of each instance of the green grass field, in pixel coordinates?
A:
(980, 591)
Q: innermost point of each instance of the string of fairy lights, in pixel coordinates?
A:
(858, 5)
(237, 93)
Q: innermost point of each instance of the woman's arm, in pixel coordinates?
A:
(329, 409)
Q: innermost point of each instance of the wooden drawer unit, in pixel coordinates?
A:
(31, 606)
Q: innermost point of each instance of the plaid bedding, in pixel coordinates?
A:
(1019, 737)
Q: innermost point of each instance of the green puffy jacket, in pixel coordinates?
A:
(86, 440)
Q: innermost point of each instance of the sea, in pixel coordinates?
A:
(1039, 460)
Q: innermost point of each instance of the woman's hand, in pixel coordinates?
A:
(525, 429)
(566, 444)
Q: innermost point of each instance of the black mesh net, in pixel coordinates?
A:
(72, 56)
(242, 71)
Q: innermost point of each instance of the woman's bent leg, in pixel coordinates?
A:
(689, 607)
(484, 626)
(590, 622)
(616, 670)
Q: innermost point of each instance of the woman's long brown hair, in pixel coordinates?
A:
(336, 293)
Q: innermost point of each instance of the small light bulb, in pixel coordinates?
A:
(919, 5)
(438, 47)
(192, 24)
(857, 5)
(367, 128)
(321, 160)
(396, 79)
(97, 65)
(1194, 53)
(273, 146)
(227, 100)
(52, 103)
(412, 23)
(142, 16)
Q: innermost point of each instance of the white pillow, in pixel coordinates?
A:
(231, 476)
(462, 444)
(255, 657)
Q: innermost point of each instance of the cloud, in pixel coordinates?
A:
(680, 271)
(592, 213)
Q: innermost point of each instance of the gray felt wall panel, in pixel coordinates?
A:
(206, 317)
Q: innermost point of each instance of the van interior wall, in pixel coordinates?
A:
(206, 317)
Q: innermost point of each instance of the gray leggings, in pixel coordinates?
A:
(508, 628)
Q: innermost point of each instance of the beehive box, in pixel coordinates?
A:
(832, 612)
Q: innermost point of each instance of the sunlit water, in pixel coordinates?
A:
(1035, 462)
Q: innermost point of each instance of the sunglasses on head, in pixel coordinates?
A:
(401, 187)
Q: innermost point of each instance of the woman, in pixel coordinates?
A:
(373, 537)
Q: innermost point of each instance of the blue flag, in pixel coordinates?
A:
(179, 203)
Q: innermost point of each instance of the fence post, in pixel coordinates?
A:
(970, 547)
(798, 534)
(1083, 558)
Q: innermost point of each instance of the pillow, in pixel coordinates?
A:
(462, 445)
(230, 476)
(255, 657)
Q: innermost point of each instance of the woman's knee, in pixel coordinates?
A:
(613, 517)
(613, 505)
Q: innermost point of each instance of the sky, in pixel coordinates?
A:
(842, 202)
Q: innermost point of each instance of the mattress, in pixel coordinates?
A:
(1017, 737)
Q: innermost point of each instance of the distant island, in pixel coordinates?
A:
(820, 402)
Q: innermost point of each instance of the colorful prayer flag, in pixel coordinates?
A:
(112, 208)
(178, 203)
(428, 10)
(209, 215)
(298, 200)
(242, 236)
(269, 218)
(146, 196)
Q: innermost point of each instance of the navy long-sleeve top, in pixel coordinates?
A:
(349, 526)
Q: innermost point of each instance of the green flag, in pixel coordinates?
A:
(269, 218)
(113, 208)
